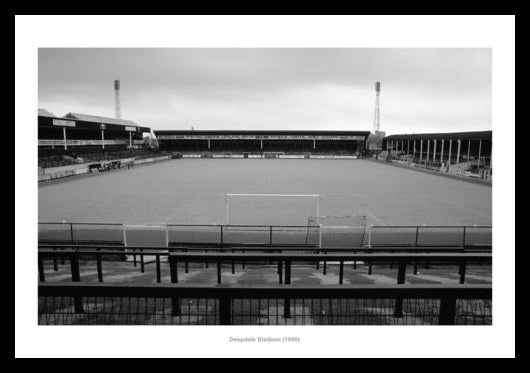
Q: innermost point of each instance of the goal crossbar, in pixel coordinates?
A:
(272, 195)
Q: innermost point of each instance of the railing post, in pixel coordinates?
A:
(324, 264)
(55, 267)
(270, 235)
(447, 310)
(462, 272)
(402, 270)
(158, 274)
(99, 266)
(74, 267)
(287, 301)
(287, 272)
(186, 264)
(221, 232)
(173, 270)
(76, 277)
(218, 272)
(225, 310)
(142, 264)
(71, 232)
(175, 302)
(280, 271)
(41, 268)
(233, 265)
(341, 272)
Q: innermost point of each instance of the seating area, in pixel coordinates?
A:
(55, 161)
(74, 157)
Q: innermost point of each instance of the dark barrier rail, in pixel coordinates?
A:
(287, 259)
(265, 248)
(282, 260)
(103, 304)
(157, 251)
(176, 234)
(430, 235)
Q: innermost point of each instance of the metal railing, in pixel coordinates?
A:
(455, 235)
(103, 304)
(283, 260)
(208, 234)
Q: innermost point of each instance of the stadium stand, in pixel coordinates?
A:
(458, 153)
(262, 142)
(83, 134)
(78, 139)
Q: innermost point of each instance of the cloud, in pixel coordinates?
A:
(422, 89)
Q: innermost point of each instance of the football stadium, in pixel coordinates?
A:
(261, 227)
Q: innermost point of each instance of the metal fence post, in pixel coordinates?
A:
(175, 302)
(71, 232)
(74, 267)
(287, 301)
(55, 267)
(324, 264)
(173, 270)
(186, 264)
(233, 265)
(402, 269)
(462, 272)
(341, 272)
(41, 268)
(158, 274)
(76, 277)
(99, 266)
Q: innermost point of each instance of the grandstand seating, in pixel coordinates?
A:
(91, 156)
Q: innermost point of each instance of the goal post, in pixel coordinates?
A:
(138, 235)
(272, 209)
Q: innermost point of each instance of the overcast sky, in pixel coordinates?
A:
(422, 90)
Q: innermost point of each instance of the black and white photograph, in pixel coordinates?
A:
(259, 194)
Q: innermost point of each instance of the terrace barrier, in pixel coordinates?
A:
(173, 304)
(283, 260)
(261, 235)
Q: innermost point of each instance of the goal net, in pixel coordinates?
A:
(272, 209)
(273, 219)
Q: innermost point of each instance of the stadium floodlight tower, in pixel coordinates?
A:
(376, 114)
(117, 99)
